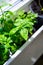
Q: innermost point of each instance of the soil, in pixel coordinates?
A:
(39, 23)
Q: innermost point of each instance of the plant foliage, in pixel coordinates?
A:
(15, 28)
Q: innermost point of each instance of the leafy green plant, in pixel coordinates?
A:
(15, 28)
(24, 26)
(5, 46)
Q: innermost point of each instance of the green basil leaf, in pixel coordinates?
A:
(24, 33)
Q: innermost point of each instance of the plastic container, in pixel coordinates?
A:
(32, 49)
(35, 9)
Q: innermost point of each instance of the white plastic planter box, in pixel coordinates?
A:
(32, 49)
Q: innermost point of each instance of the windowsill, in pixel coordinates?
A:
(18, 4)
(21, 4)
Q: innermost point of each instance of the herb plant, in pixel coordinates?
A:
(15, 28)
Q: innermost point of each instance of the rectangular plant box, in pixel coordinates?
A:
(32, 49)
